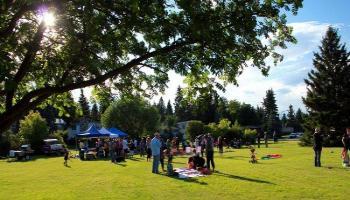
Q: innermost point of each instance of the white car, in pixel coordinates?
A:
(53, 146)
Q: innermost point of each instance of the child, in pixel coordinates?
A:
(190, 163)
(170, 170)
(252, 155)
(66, 155)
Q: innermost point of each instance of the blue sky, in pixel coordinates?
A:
(287, 78)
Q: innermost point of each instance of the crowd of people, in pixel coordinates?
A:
(158, 150)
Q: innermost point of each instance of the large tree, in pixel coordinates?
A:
(328, 85)
(94, 41)
(271, 117)
(291, 121)
(134, 115)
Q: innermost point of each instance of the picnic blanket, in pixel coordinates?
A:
(187, 173)
(271, 156)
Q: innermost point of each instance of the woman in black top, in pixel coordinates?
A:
(317, 146)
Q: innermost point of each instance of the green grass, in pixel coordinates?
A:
(290, 177)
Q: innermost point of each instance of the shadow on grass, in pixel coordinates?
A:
(234, 157)
(241, 178)
(187, 180)
(32, 158)
(135, 159)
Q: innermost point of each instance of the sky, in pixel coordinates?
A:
(287, 77)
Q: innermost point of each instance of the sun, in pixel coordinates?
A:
(48, 18)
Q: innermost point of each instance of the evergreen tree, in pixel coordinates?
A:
(84, 105)
(247, 115)
(271, 119)
(95, 115)
(291, 118)
(284, 120)
(161, 109)
(169, 109)
(328, 87)
(299, 119)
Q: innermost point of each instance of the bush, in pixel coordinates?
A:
(9, 141)
(193, 129)
(34, 129)
(249, 136)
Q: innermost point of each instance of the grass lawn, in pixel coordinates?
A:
(290, 177)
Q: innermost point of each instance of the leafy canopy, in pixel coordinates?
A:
(131, 43)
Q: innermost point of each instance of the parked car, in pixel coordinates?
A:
(24, 153)
(295, 135)
(27, 149)
(52, 146)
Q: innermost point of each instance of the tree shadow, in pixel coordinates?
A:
(241, 178)
(187, 180)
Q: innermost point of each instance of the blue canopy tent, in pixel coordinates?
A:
(92, 132)
(118, 132)
(104, 131)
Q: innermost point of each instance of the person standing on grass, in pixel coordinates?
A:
(142, 146)
(209, 151)
(346, 145)
(317, 146)
(162, 156)
(220, 145)
(266, 138)
(155, 148)
(148, 147)
(66, 157)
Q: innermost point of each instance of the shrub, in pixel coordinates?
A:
(33, 129)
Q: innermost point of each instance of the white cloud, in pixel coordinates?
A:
(286, 79)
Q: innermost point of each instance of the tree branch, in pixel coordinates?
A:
(99, 79)
(25, 66)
